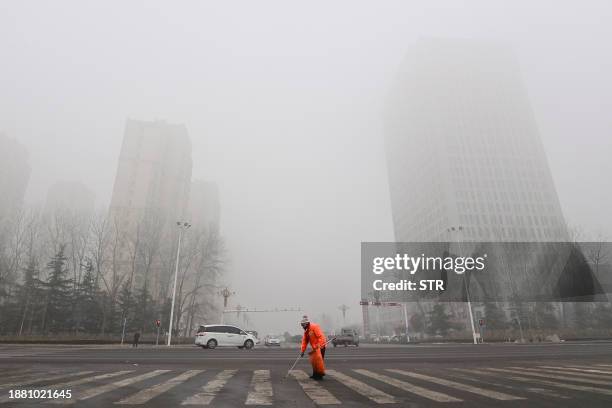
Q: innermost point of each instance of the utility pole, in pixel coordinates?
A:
(406, 321)
(226, 293)
(343, 308)
(123, 332)
(182, 227)
(459, 229)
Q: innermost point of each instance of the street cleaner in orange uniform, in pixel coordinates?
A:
(314, 335)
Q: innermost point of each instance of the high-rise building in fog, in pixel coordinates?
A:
(154, 171)
(463, 148)
(150, 194)
(14, 174)
(204, 208)
(71, 196)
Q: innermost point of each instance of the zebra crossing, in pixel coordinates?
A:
(263, 387)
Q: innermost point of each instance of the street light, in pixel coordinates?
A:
(182, 227)
(467, 291)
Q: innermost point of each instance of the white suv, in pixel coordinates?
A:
(222, 335)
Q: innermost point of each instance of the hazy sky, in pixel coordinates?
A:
(283, 104)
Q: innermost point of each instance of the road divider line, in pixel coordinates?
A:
(313, 390)
(211, 389)
(149, 393)
(95, 391)
(564, 386)
(261, 392)
(362, 388)
(544, 374)
(408, 387)
(85, 380)
(458, 386)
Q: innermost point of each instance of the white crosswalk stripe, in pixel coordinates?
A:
(362, 388)
(406, 386)
(471, 376)
(313, 390)
(149, 393)
(604, 365)
(538, 373)
(43, 379)
(211, 389)
(565, 370)
(68, 384)
(459, 386)
(260, 392)
(588, 369)
(95, 391)
(564, 386)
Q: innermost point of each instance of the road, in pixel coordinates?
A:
(461, 375)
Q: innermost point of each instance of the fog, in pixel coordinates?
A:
(283, 103)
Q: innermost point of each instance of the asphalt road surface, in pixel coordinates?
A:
(462, 375)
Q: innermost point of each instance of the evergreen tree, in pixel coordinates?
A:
(583, 316)
(544, 315)
(602, 316)
(88, 313)
(57, 314)
(439, 320)
(495, 318)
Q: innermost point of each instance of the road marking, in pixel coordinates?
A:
(579, 373)
(85, 380)
(528, 371)
(260, 392)
(95, 391)
(210, 390)
(42, 380)
(149, 393)
(459, 386)
(406, 386)
(588, 369)
(313, 390)
(362, 388)
(565, 386)
(541, 391)
(603, 365)
(25, 375)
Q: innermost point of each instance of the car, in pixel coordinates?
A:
(272, 341)
(211, 336)
(347, 337)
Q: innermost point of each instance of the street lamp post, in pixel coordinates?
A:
(182, 227)
(467, 291)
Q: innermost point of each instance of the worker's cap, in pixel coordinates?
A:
(304, 320)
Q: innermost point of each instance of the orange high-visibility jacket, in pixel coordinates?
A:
(314, 335)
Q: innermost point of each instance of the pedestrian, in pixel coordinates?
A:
(313, 335)
(136, 339)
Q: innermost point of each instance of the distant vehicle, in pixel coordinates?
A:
(347, 337)
(220, 335)
(272, 341)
